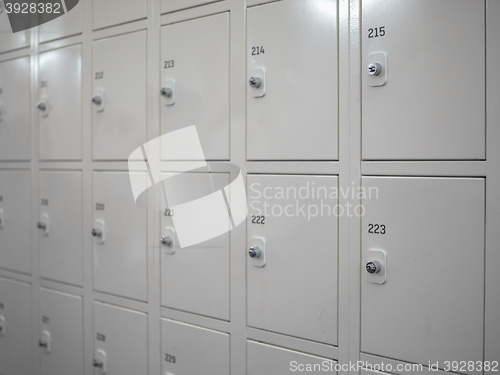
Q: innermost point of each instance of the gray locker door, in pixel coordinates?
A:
(62, 329)
(426, 303)
(428, 102)
(68, 24)
(113, 12)
(292, 286)
(293, 115)
(15, 243)
(15, 328)
(9, 40)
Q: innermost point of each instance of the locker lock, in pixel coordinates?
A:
(255, 252)
(166, 92)
(255, 82)
(41, 225)
(97, 100)
(96, 232)
(98, 363)
(42, 106)
(374, 69)
(166, 241)
(373, 266)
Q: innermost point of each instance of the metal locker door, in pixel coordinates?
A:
(173, 5)
(195, 68)
(425, 100)
(119, 97)
(60, 104)
(293, 249)
(61, 334)
(292, 81)
(15, 328)
(188, 349)
(120, 245)
(60, 226)
(15, 243)
(423, 268)
(120, 341)
(114, 12)
(9, 40)
(68, 24)
(15, 109)
(271, 360)
(195, 278)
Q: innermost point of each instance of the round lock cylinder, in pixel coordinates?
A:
(255, 252)
(374, 69)
(373, 267)
(255, 82)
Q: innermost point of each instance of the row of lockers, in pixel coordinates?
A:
(296, 107)
(420, 230)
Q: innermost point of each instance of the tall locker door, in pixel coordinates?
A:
(120, 341)
(292, 81)
(15, 328)
(423, 76)
(195, 68)
(119, 97)
(292, 255)
(173, 5)
(61, 335)
(70, 23)
(120, 245)
(15, 109)
(188, 349)
(9, 40)
(60, 104)
(423, 269)
(60, 226)
(114, 12)
(265, 359)
(195, 278)
(15, 243)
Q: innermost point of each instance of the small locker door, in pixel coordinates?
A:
(60, 104)
(9, 40)
(119, 97)
(120, 341)
(61, 334)
(292, 255)
(194, 278)
(423, 75)
(188, 349)
(114, 12)
(423, 268)
(15, 328)
(195, 76)
(15, 219)
(119, 230)
(70, 23)
(292, 81)
(15, 109)
(271, 360)
(60, 226)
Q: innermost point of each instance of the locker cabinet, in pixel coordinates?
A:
(173, 5)
(263, 359)
(292, 81)
(61, 334)
(195, 68)
(9, 40)
(114, 12)
(60, 226)
(15, 109)
(15, 243)
(119, 230)
(188, 349)
(427, 234)
(292, 224)
(428, 101)
(120, 341)
(68, 24)
(119, 96)
(60, 103)
(15, 328)
(195, 278)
